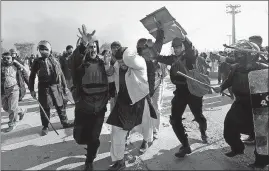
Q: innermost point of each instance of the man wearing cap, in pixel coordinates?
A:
(13, 76)
(184, 59)
(51, 85)
(156, 72)
(132, 106)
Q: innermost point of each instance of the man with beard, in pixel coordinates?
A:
(132, 106)
(13, 76)
(91, 86)
(64, 66)
(183, 60)
(51, 85)
(239, 118)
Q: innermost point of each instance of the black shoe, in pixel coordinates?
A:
(68, 125)
(45, 131)
(144, 146)
(10, 128)
(118, 165)
(249, 141)
(204, 139)
(259, 166)
(88, 166)
(183, 151)
(233, 153)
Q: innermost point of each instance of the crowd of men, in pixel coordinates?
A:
(133, 83)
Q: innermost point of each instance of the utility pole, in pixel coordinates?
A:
(230, 36)
(232, 9)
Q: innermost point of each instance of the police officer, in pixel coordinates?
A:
(51, 85)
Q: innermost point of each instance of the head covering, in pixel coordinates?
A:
(6, 54)
(44, 43)
(247, 45)
(12, 51)
(256, 39)
(177, 42)
(115, 44)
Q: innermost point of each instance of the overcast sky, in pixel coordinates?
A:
(206, 22)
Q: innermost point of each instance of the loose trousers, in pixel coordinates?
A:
(118, 135)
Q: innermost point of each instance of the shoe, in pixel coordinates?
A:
(155, 135)
(233, 153)
(68, 125)
(255, 165)
(88, 166)
(249, 141)
(204, 139)
(144, 146)
(203, 133)
(183, 151)
(10, 128)
(21, 114)
(118, 165)
(45, 131)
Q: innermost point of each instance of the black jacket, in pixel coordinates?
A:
(179, 63)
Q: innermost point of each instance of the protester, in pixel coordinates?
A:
(201, 64)
(31, 60)
(91, 86)
(51, 85)
(13, 76)
(22, 90)
(156, 73)
(132, 107)
(65, 68)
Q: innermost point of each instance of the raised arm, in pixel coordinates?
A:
(132, 60)
(158, 44)
(168, 60)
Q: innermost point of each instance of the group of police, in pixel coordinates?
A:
(133, 83)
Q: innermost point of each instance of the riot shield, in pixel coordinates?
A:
(162, 15)
(258, 85)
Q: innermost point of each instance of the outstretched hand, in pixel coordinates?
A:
(85, 37)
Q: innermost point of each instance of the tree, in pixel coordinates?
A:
(24, 49)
